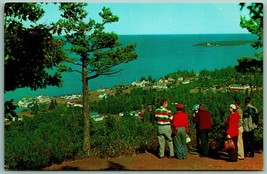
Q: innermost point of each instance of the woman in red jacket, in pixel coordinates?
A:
(180, 124)
(231, 125)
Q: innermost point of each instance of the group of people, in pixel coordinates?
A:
(173, 129)
(240, 127)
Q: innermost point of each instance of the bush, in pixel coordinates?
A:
(40, 141)
(53, 137)
(121, 136)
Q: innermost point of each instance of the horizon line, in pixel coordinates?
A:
(177, 34)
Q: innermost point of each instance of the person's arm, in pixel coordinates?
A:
(196, 119)
(187, 123)
(211, 121)
(229, 123)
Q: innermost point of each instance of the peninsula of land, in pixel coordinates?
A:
(224, 43)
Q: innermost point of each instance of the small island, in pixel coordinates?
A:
(224, 43)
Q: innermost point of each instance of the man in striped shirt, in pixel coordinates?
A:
(163, 118)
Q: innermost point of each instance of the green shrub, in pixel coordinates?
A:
(121, 136)
(40, 141)
(53, 137)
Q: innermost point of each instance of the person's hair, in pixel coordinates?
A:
(163, 101)
(234, 109)
(202, 107)
(180, 109)
(236, 100)
(247, 100)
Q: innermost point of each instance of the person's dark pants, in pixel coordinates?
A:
(198, 140)
(204, 138)
(248, 141)
(233, 153)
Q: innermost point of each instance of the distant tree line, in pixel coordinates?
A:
(206, 80)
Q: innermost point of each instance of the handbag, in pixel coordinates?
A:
(188, 139)
(229, 144)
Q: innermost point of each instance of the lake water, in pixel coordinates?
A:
(158, 55)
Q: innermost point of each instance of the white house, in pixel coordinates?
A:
(235, 87)
(72, 97)
(96, 116)
(25, 102)
(171, 79)
(185, 82)
(160, 86)
(180, 79)
(142, 83)
(101, 96)
(163, 81)
(101, 90)
(72, 103)
(43, 99)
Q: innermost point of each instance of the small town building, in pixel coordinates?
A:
(186, 82)
(236, 87)
(103, 96)
(141, 84)
(95, 116)
(180, 79)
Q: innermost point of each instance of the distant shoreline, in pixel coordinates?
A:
(224, 43)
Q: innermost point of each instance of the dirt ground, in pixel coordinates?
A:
(149, 161)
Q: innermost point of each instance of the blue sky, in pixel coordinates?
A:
(164, 18)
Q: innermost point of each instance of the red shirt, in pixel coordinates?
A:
(232, 124)
(203, 119)
(180, 119)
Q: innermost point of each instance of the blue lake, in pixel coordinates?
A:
(158, 55)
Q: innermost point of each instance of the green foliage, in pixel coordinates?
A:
(249, 65)
(10, 110)
(31, 51)
(122, 136)
(57, 136)
(179, 73)
(53, 104)
(254, 24)
(35, 108)
(40, 141)
(22, 12)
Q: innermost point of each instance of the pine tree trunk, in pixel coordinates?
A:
(86, 114)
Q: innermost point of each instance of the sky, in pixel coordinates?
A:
(164, 18)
